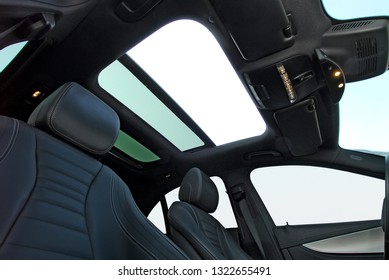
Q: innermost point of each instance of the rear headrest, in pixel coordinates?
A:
(198, 189)
(79, 117)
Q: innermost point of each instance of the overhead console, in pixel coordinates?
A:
(349, 52)
(285, 87)
(282, 84)
(266, 28)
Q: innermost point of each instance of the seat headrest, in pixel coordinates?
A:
(198, 189)
(79, 117)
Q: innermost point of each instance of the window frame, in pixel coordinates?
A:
(328, 168)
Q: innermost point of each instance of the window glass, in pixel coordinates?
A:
(185, 59)
(134, 149)
(350, 9)
(124, 86)
(8, 53)
(313, 195)
(223, 213)
(364, 115)
(363, 108)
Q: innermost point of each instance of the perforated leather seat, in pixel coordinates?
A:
(58, 202)
(199, 234)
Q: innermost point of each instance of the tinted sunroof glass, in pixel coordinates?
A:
(124, 86)
(8, 53)
(185, 59)
(134, 149)
(350, 9)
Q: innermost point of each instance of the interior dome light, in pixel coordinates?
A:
(37, 94)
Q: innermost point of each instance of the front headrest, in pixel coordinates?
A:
(79, 117)
(198, 189)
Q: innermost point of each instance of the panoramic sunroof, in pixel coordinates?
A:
(134, 149)
(186, 60)
(7, 54)
(124, 86)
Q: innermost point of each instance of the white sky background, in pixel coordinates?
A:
(188, 63)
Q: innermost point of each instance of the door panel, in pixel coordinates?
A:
(353, 240)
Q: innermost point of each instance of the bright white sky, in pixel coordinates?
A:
(188, 63)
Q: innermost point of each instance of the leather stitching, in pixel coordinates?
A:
(12, 140)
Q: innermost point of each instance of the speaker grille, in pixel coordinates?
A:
(351, 25)
(367, 55)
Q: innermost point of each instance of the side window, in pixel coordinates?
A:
(223, 213)
(300, 195)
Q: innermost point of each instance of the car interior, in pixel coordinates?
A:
(93, 138)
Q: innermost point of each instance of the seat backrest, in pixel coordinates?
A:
(57, 200)
(192, 227)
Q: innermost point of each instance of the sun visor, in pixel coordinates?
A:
(361, 48)
(265, 28)
(299, 126)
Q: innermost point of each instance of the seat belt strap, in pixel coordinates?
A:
(239, 196)
(165, 215)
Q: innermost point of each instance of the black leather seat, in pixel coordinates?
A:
(58, 202)
(199, 234)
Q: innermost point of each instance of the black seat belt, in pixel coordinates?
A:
(239, 196)
(165, 216)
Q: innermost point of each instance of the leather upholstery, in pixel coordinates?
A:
(198, 189)
(81, 123)
(59, 203)
(199, 234)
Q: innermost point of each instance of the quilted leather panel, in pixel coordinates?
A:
(53, 223)
(17, 176)
(64, 204)
(200, 235)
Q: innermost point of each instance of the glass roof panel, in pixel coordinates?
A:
(124, 86)
(185, 59)
(134, 149)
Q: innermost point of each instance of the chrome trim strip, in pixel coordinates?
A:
(362, 242)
